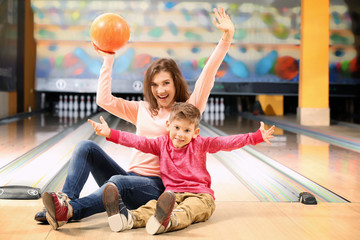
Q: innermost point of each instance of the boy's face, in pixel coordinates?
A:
(181, 132)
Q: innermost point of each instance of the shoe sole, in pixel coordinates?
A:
(153, 225)
(164, 207)
(111, 204)
(50, 210)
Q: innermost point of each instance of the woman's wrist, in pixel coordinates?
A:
(228, 35)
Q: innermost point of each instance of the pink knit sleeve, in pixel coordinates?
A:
(141, 143)
(232, 142)
(119, 107)
(206, 80)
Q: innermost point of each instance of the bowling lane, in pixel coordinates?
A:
(237, 176)
(19, 137)
(38, 167)
(331, 166)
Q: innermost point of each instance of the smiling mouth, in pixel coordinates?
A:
(163, 97)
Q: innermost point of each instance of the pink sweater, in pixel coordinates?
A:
(184, 169)
(138, 113)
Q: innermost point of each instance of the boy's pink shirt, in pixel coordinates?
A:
(184, 169)
(138, 113)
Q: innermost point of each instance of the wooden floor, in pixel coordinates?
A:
(231, 220)
(238, 215)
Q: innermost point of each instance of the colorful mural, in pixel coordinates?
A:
(265, 46)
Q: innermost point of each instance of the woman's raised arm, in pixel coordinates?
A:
(205, 82)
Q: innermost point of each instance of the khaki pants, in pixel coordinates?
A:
(189, 208)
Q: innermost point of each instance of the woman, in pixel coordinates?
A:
(163, 85)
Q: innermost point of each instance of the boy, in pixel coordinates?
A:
(188, 197)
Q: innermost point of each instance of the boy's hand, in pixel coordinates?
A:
(101, 129)
(266, 134)
(223, 22)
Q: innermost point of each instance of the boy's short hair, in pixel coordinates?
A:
(183, 110)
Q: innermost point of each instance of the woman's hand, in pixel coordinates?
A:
(223, 22)
(101, 129)
(266, 134)
(100, 52)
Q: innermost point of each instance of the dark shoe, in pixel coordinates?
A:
(41, 216)
(118, 215)
(58, 209)
(160, 222)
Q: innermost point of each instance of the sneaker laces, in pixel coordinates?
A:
(63, 198)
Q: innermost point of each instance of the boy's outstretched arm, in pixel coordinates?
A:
(101, 129)
(266, 134)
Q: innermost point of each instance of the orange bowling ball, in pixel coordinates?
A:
(109, 32)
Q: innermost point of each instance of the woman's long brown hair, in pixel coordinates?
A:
(170, 66)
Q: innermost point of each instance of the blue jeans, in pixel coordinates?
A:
(88, 157)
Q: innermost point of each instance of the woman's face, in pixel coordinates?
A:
(163, 89)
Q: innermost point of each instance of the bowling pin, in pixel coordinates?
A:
(206, 117)
(76, 116)
(94, 105)
(61, 104)
(70, 105)
(207, 107)
(82, 103)
(222, 118)
(61, 115)
(222, 105)
(71, 115)
(65, 105)
(42, 122)
(76, 103)
(82, 114)
(43, 100)
(216, 105)
(217, 118)
(88, 113)
(88, 103)
(212, 105)
(65, 114)
(212, 117)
